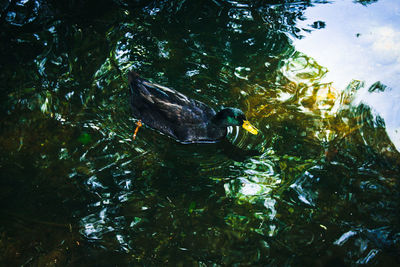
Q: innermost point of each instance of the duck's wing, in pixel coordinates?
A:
(166, 103)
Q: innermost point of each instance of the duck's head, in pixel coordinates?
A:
(233, 117)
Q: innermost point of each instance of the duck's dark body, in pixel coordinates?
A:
(172, 113)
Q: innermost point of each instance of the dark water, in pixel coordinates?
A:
(318, 187)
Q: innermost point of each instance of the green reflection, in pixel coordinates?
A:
(321, 177)
(84, 138)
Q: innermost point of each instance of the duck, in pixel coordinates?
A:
(174, 114)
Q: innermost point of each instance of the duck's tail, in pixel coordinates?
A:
(132, 78)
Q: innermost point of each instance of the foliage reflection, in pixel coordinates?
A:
(320, 179)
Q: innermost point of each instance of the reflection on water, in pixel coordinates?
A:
(321, 177)
(362, 51)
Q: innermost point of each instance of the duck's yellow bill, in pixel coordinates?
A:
(250, 128)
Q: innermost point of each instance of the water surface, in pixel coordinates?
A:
(319, 186)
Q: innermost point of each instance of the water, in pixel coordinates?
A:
(317, 187)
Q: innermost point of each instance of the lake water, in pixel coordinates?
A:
(318, 186)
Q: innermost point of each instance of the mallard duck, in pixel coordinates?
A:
(184, 119)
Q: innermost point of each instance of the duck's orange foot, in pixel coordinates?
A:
(138, 125)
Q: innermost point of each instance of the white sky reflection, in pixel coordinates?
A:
(359, 43)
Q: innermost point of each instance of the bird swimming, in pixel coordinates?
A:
(175, 115)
